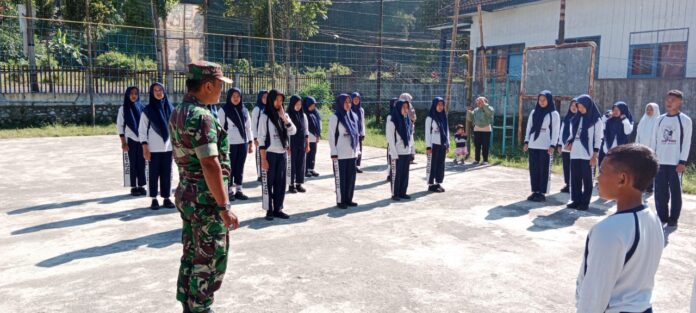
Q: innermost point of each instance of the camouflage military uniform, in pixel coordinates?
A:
(196, 134)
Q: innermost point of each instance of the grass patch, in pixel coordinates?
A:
(58, 131)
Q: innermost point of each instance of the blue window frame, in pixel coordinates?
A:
(660, 53)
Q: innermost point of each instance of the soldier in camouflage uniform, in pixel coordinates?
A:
(201, 153)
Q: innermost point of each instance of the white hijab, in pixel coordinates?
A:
(647, 124)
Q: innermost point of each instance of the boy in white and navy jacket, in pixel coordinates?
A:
(622, 252)
(672, 142)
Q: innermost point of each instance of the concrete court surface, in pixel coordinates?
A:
(72, 240)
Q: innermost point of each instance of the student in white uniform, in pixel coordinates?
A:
(256, 112)
(646, 128)
(412, 116)
(400, 138)
(584, 143)
(617, 127)
(127, 124)
(275, 129)
(392, 102)
(299, 145)
(622, 252)
(309, 105)
(672, 144)
(541, 137)
(235, 120)
(563, 140)
(437, 144)
(344, 137)
(153, 132)
(360, 115)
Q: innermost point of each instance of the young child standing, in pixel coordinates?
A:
(540, 141)
(623, 251)
(584, 143)
(460, 140)
(672, 145)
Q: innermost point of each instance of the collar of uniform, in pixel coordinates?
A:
(634, 210)
(192, 99)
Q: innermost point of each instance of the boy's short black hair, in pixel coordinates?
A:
(458, 126)
(635, 159)
(677, 93)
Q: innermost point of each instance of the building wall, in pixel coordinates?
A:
(536, 24)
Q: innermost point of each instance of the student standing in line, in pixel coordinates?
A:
(617, 127)
(127, 124)
(157, 147)
(437, 143)
(299, 145)
(261, 98)
(392, 102)
(275, 129)
(314, 129)
(344, 137)
(540, 140)
(399, 136)
(584, 143)
(646, 128)
(360, 114)
(234, 118)
(622, 252)
(481, 117)
(672, 144)
(412, 116)
(566, 125)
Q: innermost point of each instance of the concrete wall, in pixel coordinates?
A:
(536, 24)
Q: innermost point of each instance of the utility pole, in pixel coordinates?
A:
(271, 55)
(90, 71)
(561, 24)
(158, 42)
(29, 16)
(379, 63)
(453, 46)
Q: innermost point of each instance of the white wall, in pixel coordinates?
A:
(536, 24)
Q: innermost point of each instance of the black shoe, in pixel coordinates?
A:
(439, 188)
(142, 190)
(269, 216)
(573, 205)
(134, 192)
(292, 189)
(432, 188)
(395, 198)
(475, 163)
(300, 188)
(230, 195)
(241, 196)
(352, 204)
(583, 207)
(281, 215)
(405, 197)
(259, 179)
(155, 205)
(565, 189)
(650, 190)
(168, 204)
(308, 174)
(358, 170)
(315, 174)
(540, 197)
(532, 197)
(342, 206)
(389, 178)
(674, 224)
(454, 162)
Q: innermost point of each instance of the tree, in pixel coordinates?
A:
(430, 13)
(408, 22)
(101, 11)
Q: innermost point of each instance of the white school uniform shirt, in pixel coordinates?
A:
(362, 118)
(340, 148)
(155, 142)
(670, 145)
(605, 283)
(594, 141)
(123, 129)
(432, 133)
(266, 128)
(234, 134)
(551, 122)
(255, 117)
(627, 128)
(396, 143)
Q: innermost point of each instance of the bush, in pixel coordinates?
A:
(340, 70)
(320, 91)
(315, 72)
(385, 75)
(115, 65)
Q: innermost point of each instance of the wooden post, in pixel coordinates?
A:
(379, 63)
(158, 42)
(90, 70)
(29, 17)
(561, 24)
(453, 46)
(271, 55)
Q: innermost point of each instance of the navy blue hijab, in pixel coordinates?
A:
(402, 123)
(236, 112)
(540, 113)
(274, 116)
(313, 117)
(614, 126)
(356, 109)
(441, 119)
(567, 122)
(259, 103)
(348, 119)
(158, 112)
(589, 119)
(296, 116)
(132, 110)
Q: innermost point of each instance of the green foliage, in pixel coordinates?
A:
(241, 66)
(340, 70)
(63, 51)
(299, 16)
(429, 13)
(315, 72)
(320, 91)
(408, 22)
(115, 65)
(385, 75)
(101, 12)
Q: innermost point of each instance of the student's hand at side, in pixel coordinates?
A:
(526, 147)
(333, 158)
(124, 147)
(307, 149)
(256, 142)
(250, 149)
(146, 153)
(551, 149)
(429, 151)
(264, 165)
(569, 147)
(560, 149)
(318, 138)
(289, 151)
(681, 168)
(593, 160)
